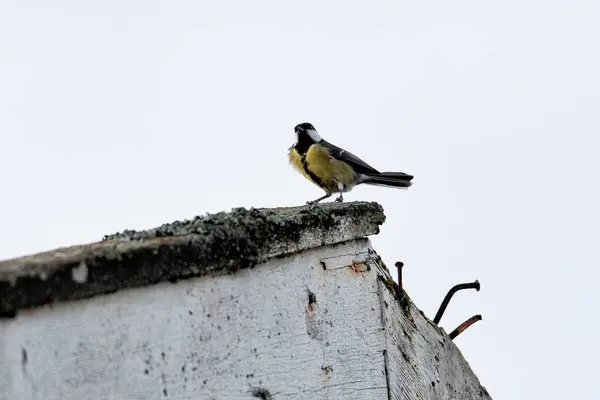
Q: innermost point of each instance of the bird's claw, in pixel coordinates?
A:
(339, 199)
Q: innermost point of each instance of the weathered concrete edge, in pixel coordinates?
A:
(217, 243)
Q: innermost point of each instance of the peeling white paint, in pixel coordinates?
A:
(288, 328)
(423, 362)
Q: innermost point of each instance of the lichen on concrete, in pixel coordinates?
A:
(283, 221)
(221, 242)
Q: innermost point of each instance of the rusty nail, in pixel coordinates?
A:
(461, 286)
(460, 329)
(399, 265)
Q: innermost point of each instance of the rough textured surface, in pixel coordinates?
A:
(288, 329)
(422, 362)
(216, 243)
(320, 324)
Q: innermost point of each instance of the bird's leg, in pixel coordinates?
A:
(328, 194)
(340, 198)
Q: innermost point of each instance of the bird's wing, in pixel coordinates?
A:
(340, 154)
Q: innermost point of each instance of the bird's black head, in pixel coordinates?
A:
(305, 126)
(307, 133)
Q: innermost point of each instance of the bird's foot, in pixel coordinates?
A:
(339, 199)
(310, 203)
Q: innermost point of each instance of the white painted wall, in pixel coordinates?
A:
(252, 334)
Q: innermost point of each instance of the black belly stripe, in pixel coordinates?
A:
(309, 172)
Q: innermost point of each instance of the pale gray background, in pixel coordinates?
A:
(118, 115)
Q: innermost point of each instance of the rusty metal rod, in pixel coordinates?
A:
(460, 329)
(399, 290)
(461, 286)
(399, 265)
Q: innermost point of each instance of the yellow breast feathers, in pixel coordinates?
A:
(296, 161)
(320, 168)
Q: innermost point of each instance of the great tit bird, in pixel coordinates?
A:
(333, 169)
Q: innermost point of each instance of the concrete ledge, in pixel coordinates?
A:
(217, 243)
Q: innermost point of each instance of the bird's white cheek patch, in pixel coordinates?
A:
(314, 135)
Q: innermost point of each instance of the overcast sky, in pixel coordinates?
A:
(118, 115)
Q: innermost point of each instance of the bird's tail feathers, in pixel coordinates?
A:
(393, 179)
